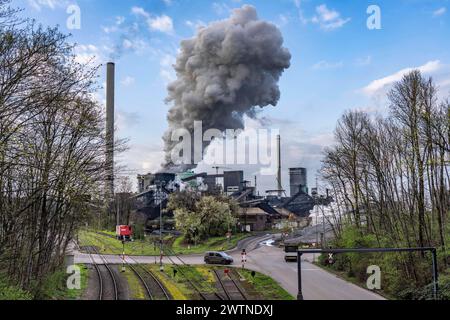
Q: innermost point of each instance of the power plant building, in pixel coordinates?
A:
(233, 181)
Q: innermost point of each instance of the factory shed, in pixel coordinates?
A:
(254, 219)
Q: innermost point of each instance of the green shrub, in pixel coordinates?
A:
(8, 292)
(404, 275)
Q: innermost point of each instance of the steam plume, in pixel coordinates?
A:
(226, 71)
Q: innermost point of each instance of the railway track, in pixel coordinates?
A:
(108, 289)
(154, 289)
(99, 276)
(230, 287)
(201, 293)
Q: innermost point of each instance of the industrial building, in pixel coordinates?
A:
(257, 213)
(298, 181)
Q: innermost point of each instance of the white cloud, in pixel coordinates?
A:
(325, 65)
(167, 72)
(371, 109)
(439, 12)
(50, 4)
(116, 27)
(283, 20)
(361, 62)
(377, 85)
(136, 45)
(301, 15)
(195, 25)
(444, 83)
(110, 29)
(126, 120)
(88, 54)
(140, 12)
(128, 81)
(220, 8)
(120, 20)
(328, 19)
(161, 23)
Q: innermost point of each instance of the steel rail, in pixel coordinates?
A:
(111, 273)
(149, 292)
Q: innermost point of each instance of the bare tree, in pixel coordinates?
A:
(51, 150)
(389, 175)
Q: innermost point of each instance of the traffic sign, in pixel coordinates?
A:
(330, 259)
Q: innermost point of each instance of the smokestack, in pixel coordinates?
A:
(110, 88)
(280, 187)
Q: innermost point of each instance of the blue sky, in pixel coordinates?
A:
(337, 62)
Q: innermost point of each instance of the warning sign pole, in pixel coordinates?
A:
(123, 256)
(244, 258)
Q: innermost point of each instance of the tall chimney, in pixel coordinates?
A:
(280, 186)
(110, 79)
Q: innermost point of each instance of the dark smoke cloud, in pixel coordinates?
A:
(226, 71)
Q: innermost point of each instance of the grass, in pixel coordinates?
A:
(265, 286)
(107, 244)
(261, 287)
(137, 291)
(178, 289)
(110, 245)
(76, 294)
(9, 293)
(55, 286)
(212, 244)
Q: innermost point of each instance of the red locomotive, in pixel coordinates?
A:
(124, 233)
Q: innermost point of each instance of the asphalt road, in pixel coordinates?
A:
(318, 284)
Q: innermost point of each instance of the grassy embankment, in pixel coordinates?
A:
(107, 244)
(259, 287)
(394, 284)
(137, 291)
(8, 292)
(265, 286)
(212, 244)
(54, 287)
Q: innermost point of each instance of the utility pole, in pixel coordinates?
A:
(317, 214)
(160, 197)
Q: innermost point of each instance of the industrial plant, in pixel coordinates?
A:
(257, 212)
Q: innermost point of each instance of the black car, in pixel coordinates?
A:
(218, 258)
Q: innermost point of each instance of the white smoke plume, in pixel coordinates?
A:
(228, 70)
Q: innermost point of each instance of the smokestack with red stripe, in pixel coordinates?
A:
(110, 83)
